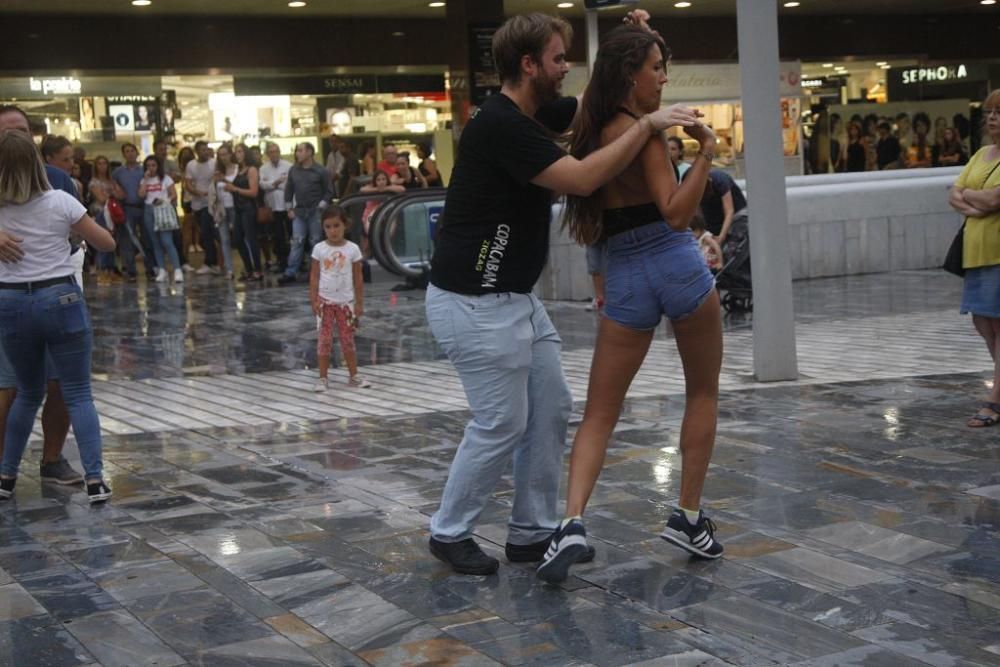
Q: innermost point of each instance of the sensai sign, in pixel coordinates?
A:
(941, 73)
(64, 85)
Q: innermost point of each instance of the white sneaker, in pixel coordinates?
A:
(321, 385)
(203, 270)
(161, 275)
(359, 382)
(215, 271)
(178, 276)
(187, 268)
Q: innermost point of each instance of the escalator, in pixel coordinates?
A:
(401, 229)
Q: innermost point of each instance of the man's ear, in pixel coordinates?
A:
(528, 65)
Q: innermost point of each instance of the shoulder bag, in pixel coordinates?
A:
(953, 259)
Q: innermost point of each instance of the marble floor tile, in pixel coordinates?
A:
(273, 651)
(41, 641)
(15, 603)
(118, 639)
(863, 656)
(937, 649)
(816, 570)
(876, 541)
(765, 630)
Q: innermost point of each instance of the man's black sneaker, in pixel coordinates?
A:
(98, 492)
(533, 553)
(464, 557)
(60, 472)
(7, 488)
(286, 279)
(568, 545)
(698, 539)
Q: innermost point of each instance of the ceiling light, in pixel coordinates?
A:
(399, 33)
(682, 5)
(296, 4)
(564, 5)
(885, 66)
(435, 4)
(827, 64)
(142, 3)
(881, 63)
(987, 2)
(792, 4)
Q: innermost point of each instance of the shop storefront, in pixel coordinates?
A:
(100, 113)
(715, 90)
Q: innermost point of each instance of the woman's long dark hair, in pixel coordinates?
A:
(621, 55)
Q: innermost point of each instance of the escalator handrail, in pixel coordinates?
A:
(384, 214)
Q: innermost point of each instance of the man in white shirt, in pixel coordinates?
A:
(198, 181)
(273, 174)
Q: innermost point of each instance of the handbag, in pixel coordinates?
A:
(265, 215)
(165, 218)
(116, 211)
(953, 259)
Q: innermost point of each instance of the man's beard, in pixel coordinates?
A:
(545, 88)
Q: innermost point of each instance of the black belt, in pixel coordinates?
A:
(618, 220)
(38, 284)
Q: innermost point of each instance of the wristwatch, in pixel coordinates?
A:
(708, 156)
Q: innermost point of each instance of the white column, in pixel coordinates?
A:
(592, 39)
(773, 320)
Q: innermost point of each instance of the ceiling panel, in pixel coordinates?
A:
(420, 8)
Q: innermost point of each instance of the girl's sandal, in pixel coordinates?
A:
(980, 420)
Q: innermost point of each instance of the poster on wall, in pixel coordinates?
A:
(483, 78)
(88, 116)
(122, 115)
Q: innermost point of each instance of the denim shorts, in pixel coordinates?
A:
(981, 291)
(654, 271)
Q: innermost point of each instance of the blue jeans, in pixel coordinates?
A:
(161, 240)
(305, 222)
(105, 260)
(207, 234)
(506, 352)
(56, 318)
(134, 219)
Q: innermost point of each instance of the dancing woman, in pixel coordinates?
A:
(654, 269)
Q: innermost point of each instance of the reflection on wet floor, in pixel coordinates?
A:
(209, 326)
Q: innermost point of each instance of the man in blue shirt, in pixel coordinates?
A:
(127, 179)
(58, 154)
(55, 417)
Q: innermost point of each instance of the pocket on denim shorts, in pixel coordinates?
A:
(618, 287)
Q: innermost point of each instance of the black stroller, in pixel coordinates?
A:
(733, 279)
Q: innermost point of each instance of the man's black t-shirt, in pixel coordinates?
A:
(494, 230)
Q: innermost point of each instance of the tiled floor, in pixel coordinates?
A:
(255, 523)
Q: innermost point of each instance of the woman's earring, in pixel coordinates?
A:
(633, 82)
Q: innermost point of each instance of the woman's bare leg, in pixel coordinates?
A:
(699, 342)
(618, 355)
(989, 329)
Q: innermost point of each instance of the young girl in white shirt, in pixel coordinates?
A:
(157, 189)
(336, 291)
(42, 307)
